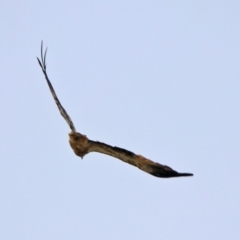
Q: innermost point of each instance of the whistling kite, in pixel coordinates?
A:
(81, 145)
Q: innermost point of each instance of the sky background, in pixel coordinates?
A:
(159, 78)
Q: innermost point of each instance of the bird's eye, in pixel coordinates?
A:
(76, 138)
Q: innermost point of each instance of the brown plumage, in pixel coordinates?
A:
(81, 145)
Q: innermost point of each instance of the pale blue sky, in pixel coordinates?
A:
(160, 78)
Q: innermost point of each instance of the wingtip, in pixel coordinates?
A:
(185, 174)
(169, 173)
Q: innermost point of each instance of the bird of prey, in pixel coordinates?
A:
(81, 145)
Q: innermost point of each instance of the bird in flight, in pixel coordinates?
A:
(81, 145)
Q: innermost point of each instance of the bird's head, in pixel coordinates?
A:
(79, 143)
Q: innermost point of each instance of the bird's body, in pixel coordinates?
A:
(81, 145)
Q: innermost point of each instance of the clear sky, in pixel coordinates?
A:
(160, 78)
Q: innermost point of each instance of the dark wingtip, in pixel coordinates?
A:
(39, 62)
(171, 174)
(185, 175)
(167, 172)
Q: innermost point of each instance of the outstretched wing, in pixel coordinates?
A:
(146, 165)
(81, 145)
(63, 112)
